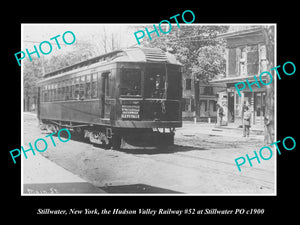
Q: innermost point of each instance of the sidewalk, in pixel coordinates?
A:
(190, 128)
(41, 176)
(256, 129)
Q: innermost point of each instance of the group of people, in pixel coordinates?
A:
(246, 117)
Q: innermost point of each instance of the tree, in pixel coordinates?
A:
(32, 73)
(98, 43)
(270, 98)
(105, 41)
(210, 62)
(35, 69)
(196, 47)
(82, 50)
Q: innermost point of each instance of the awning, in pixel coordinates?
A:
(236, 79)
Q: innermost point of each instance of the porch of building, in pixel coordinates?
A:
(233, 102)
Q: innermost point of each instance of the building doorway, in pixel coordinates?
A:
(259, 107)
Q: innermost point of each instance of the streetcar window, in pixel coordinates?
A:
(72, 88)
(155, 82)
(57, 96)
(53, 93)
(47, 93)
(63, 93)
(130, 82)
(82, 87)
(66, 90)
(107, 79)
(50, 93)
(88, 87)
(67, 93)
(76, 92)
(59, 92)
(94, 86)
(71, 91)
(44, 93)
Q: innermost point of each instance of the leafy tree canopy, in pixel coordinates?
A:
(196, 47)
(34, 70)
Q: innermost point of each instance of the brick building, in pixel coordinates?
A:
(245, 58)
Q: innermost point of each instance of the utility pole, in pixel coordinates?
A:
(197, 93)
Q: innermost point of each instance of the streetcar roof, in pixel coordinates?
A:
(133, 54)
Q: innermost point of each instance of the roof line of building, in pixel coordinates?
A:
(239, 33)
(235, 79)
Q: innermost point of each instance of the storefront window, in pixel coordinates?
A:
(259, 103)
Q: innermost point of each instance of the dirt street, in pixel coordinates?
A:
(201, 162)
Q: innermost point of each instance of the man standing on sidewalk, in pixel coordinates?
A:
(220, 112)
(246, 122)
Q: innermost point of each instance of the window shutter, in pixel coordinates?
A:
(252, 60)
(232, 64)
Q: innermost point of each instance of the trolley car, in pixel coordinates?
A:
(131, 95)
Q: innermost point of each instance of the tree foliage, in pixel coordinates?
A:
(196, 47)
(99, 42)
(34, 70)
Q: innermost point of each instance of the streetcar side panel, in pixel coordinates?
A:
(72, 111)
(81, 98)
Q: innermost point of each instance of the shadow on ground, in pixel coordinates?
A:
(61, 188)
(161, 150)
(137, 189)
(141, 150)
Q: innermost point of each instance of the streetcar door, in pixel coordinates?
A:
(104, 93)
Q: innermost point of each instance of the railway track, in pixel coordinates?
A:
(224, 169)
(179, 156)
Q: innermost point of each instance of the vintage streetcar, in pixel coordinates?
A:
(128, 96)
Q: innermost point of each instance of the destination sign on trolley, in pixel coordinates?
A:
(130, 112)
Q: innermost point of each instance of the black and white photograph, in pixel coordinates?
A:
(169, 112)
(129, 109)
